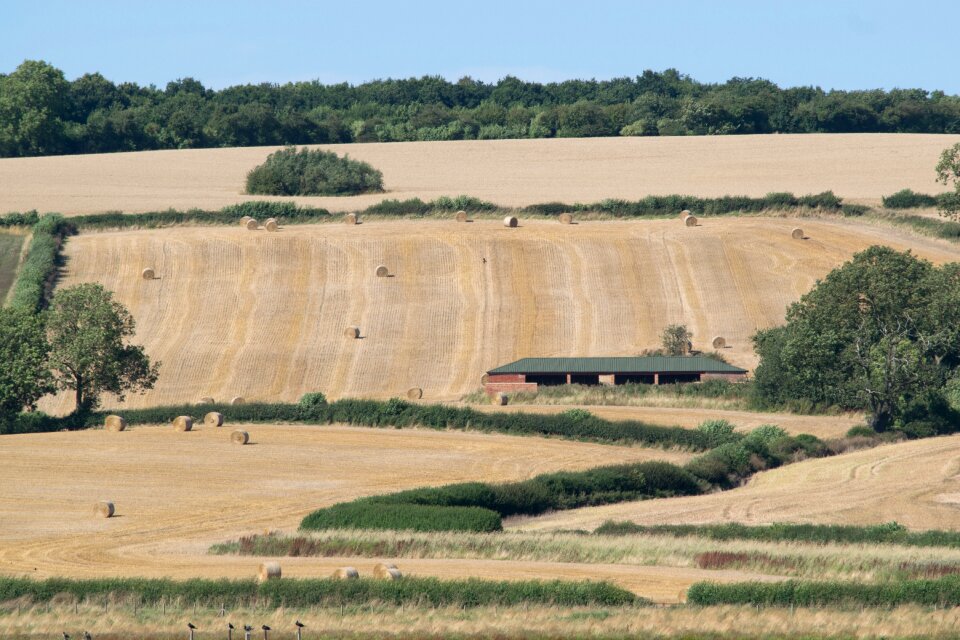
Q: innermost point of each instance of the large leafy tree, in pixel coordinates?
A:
(879, 333)
(675, 340)
(33, 105)
(87, 330)
(948, 172)
(24, 371)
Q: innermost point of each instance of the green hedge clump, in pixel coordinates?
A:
(942, 592)
(312, 172)
(364, 514)
(670, 205)
(908, 199)
(429, 592)
(416, 206)
(19, 219)
(444, 508)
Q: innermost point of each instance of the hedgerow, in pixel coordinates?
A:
(942, 592)
(39, 269)
(886, 533)
(908, 199)
(671, 204)
(429, 592)
(443, 507)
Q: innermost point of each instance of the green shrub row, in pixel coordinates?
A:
(19, 219)
(442, 508)
(364, 514)
(908, 199)
(39, 269)
(399, 413)
(886, 533)
(673, 204)
(942, 592)
(429, 592)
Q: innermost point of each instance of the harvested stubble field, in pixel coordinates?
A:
(240, 313)
(822, 426)
(915, 483)
(508, 172)
(178, 493)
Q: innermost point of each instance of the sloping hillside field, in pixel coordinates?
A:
(507, 172)
(262, 315)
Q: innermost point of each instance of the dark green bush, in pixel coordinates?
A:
(367, 514)
(312, 172)
(428, 592)
(907, 199)
(18, 219)
(39, 269)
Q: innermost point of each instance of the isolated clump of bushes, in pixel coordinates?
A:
(312, 172)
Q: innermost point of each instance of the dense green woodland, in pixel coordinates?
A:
(42, 113)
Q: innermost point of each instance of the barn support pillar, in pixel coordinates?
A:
(569, 378)
(656, 378)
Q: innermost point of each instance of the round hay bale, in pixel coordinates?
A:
(271, 224)
(205, 400)
(346, 573)
(566, 218)
(382, 272)
(485, 378)
(414, 393)
(244, 220)
(351, 218)
(352, 332)
(237, 400)
(183, 423)
(461, 216)
(719, 342)
(252, 224)
(239, 437)
(114, 423)
(797, 234)
(104, 509)
(690, 221)
(510, 221)
(213, 419)
(387, 572)
(268, 571)
(501, 399)
(685, 213)
(147, 274)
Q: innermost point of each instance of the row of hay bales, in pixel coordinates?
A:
(236, 400)
(182, 424)
(383, 571)
(461, 216)
(251, 224)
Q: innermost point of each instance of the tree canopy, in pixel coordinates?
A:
(24, 352)
(880, 333)
(43, 113)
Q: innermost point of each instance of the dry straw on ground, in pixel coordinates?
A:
(510, 221)
(351, 218)
(352, 332)
(268, 571)
(345, 573)
(461, 216)
(566, 218)
(414, 393)
(237, 400)
(271, 224)
(104, 509)
(719, 342)
(797, 234)
(114, 423)
(252, 225)
(382, 271)
(182, 423)
(239, 437)
(213, 419)
(147, 274)
(387, 571)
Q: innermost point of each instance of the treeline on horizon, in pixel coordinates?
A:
(42, 113)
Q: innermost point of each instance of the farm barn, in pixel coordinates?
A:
(528, 373)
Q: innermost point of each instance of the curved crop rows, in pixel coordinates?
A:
(261, 315)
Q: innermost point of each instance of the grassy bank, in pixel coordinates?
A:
(10, 246)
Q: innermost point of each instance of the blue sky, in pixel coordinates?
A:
(838, 44)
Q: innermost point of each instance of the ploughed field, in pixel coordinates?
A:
(915, 483)
(177, 493)
(262, 315)
(508, 172)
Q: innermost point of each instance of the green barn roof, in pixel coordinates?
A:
(640, 364)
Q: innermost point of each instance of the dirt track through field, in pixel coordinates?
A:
(507, 172)
(261, 315)
(914, 483)
(178, 493)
